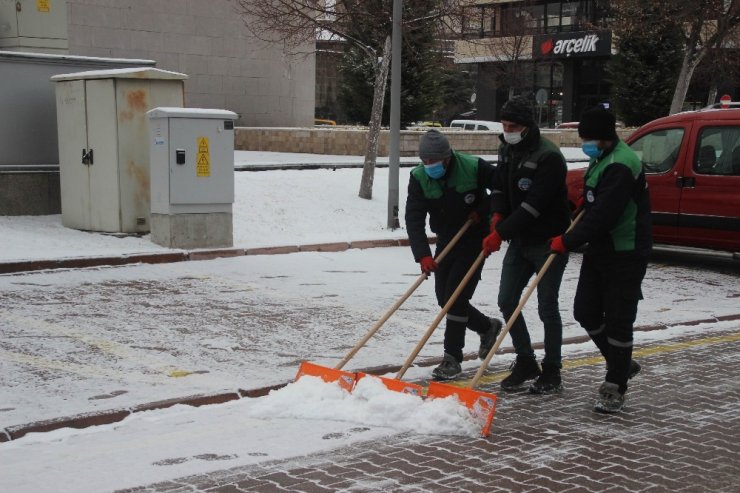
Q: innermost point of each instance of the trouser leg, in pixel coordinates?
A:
(588, 306)
(515, 273)
(548, 308)
(620, 312)
(606, 306)
(458, 316)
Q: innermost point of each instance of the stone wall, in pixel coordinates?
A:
(352, 141)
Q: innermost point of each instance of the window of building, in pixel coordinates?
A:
(479, 21)
(570, 16)
(553, 17)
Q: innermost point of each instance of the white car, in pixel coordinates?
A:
(478, 125)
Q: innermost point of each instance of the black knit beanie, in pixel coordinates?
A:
(518, 110)
(435, 146)
(598, 124)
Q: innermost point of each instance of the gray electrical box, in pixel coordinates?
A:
(192, 177)
(34, 25)
(103, 152)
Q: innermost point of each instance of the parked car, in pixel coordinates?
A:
(692, 164)
(569, 125)
(477, 125)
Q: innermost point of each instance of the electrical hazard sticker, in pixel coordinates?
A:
(203, 159)
(43, 5)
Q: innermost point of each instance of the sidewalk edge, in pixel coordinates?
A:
(86, 420)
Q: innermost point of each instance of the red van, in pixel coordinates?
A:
(692, 164)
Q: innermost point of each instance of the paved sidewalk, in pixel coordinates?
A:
(679, 432)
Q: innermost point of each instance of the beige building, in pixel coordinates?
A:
(226, 67)
(205, 39)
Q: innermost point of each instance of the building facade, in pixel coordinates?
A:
(552, 49)
(207, 40)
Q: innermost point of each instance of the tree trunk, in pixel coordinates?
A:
(712, 92)
(690, 60)
(373, 134)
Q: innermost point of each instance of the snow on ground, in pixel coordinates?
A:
(104, 338)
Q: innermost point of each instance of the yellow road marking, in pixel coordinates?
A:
(596, 360)
(119, 350)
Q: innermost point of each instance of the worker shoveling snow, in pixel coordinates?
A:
(370, 404)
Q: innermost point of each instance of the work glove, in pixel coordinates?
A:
(491, 243)
(474, 216)
(495, 219)
(557, 245)
(427, 264)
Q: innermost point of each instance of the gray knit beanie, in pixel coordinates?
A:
(435, 146)
(518, 110)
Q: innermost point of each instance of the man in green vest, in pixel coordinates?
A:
(616, 226)
(529, 204)
(451, 187)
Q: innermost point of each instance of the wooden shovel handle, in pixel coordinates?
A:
(517, 311)
(441, 314)
(403, 298)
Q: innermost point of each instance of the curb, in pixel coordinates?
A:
(193, 255)
(86, 420)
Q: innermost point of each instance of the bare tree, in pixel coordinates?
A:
(297, 23)
(706, 25)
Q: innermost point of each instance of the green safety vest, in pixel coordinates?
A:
(464, 177)
(624, 233)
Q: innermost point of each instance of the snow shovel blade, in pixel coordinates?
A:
(395, 384)
(482, 405)
(345, 379)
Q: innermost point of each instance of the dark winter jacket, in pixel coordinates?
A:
(617, 205)
(529, 190)
(449, 201)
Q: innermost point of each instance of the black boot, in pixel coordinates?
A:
(549, 382)
(524, 368)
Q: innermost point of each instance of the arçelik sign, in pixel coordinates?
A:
(565, 45)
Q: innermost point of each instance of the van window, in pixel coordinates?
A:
(715, 147)
(470, 126)
(658, 150)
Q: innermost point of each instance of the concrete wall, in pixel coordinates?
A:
(227, 67)
(29, 179)
(352, 141)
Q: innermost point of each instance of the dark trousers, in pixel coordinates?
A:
(521, 262)
(606, 306)
(462, 314)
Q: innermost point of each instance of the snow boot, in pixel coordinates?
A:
(610, 399)
(448, 369)
(488, 338)
(635, 368)
(524, 368)
(549, 382)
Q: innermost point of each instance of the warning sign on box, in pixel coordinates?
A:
(203, 159)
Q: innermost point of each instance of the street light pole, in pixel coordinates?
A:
(395, 133)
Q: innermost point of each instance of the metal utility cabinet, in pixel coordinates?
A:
(192, 177)
(103, 144)
(34, 25)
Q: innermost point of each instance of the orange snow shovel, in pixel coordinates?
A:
(395, 383)
(347, 379)
(482, 405)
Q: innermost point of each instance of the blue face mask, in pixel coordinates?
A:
(590, 149)
(435, 170)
